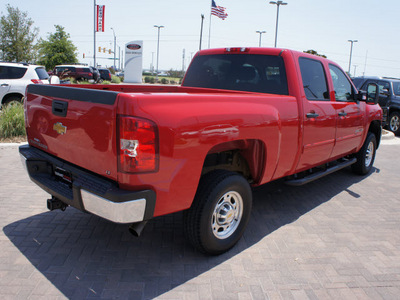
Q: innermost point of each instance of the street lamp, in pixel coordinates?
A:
(260, 32)
(351, 52)
(277, 3)
(158, 48)
(115, 42)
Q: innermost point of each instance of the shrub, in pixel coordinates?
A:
(164, 81)
(12, 121)
(115, 79)
(149, 79)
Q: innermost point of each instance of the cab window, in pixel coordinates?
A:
(314, 79)
(241, 72)
(341, 84)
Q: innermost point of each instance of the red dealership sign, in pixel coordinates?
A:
(100, 18)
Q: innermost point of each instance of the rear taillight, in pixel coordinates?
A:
(37, 81)
(138, 145)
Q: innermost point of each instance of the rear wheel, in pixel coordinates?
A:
(219, 213)
(394, 122)
(366, 156)
(12, 100)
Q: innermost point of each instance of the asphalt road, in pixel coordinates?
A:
(336, 238)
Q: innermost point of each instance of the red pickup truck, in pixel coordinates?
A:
(242, 117)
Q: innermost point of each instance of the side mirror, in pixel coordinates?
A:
(372, 94)
(54, 79)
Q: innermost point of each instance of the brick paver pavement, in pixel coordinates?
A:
(336, 238)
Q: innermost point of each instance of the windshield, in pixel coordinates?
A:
(242, 72)
(396, 88)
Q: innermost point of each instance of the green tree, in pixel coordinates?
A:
(313, 52)
(17, 36)
(58, 49)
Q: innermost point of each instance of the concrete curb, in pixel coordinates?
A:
(8, 145)
(387, 135)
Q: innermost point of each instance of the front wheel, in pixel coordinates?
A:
(366, 156)
(394, 122)
(219, 213)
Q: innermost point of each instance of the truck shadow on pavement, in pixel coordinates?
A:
(84, 256)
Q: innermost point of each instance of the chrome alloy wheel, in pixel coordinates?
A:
(394, 123)
(227, 215)
(369, 154)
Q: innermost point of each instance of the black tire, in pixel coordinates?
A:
(219, 213)
(394, 122)
(13, 99)
(366, 156)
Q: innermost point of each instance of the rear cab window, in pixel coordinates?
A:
(242, 72)
(7, 72)
(314, 79)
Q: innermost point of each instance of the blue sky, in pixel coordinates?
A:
(324, 26)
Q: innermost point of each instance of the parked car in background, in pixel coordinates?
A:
(105, 74)
(14, 78)
(96, 74)
(389, 99)
(79, 72)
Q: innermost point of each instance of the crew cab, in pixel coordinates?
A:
(242, 117)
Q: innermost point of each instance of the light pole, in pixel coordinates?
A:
(115, 42)
(158, 48)
(351, 52)
(260, 32)
(277, 3)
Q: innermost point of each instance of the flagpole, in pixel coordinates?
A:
(209, 28)
(94, 36)
(201, 31)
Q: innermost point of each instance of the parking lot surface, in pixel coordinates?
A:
(336, 238)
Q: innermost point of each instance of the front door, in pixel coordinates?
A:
(350, 117)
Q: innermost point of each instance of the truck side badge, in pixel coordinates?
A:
(60, 128)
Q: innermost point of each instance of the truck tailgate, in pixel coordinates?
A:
(75, 124)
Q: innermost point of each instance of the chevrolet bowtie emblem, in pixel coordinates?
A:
(60, 128)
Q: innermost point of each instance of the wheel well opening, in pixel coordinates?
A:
(376, 129)
(244, 157)
(12, 97)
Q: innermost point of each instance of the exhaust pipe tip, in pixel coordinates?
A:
(55, 203)
(137, 228)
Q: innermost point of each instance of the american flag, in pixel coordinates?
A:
(218, 11)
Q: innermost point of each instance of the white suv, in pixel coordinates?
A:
(15, 77)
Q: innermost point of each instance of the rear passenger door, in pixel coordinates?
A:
(350, 116)
(319, 120)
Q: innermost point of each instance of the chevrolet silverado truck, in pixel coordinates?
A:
(241, 118)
